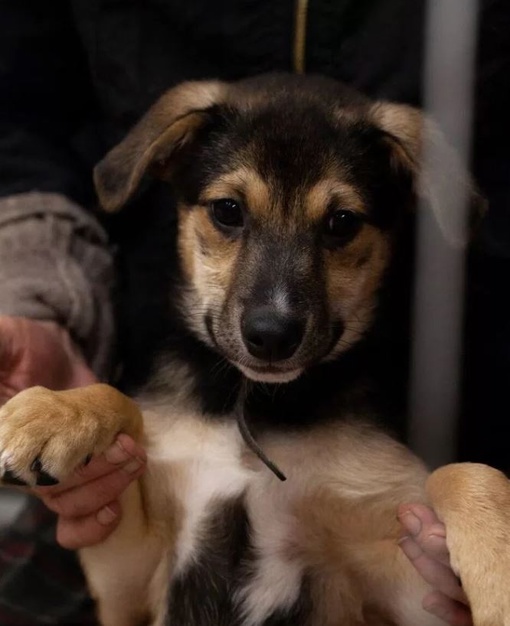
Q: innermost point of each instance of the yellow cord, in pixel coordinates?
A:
(300, 36)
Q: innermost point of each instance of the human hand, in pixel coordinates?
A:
(42, 353)
(87, 502)
(38, 353)
(424, 544)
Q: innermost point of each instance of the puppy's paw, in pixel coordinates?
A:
(485, 576)
(473, 500)
(45, 435)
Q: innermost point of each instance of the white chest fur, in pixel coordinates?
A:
(202, 465)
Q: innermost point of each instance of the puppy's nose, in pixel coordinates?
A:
(270, 335)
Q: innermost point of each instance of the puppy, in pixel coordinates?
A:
(292, 193)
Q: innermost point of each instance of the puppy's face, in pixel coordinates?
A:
(288, 198)
(284, 235)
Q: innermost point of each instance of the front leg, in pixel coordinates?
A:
(473, 501)
(123, 572)
(44, 437)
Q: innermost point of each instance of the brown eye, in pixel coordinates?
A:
(227, 213)
(341, 226)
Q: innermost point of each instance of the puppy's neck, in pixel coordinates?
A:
(200, 376)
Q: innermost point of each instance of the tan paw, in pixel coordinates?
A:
(474, 502)
(45, 435)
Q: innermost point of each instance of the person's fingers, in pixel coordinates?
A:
(435, 573)
(420, 523)
(101, 481)
(425, 546)
(82, 532)
(89, 511)
(452, 612)
(124, 450)
(92, 496)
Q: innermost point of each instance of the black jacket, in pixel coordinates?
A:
(76, 74)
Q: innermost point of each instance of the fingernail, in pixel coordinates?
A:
(411, 523)
(116, 454)
(106, 516)
(133, 466)
(410, 548)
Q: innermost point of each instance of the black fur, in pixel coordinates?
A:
(204, 594)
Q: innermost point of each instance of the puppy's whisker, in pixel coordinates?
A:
(221, 366)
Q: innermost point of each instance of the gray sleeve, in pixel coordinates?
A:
(55, 264)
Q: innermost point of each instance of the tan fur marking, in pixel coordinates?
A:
(196, 231)
(320, 195)
(353, 275)
(208, 258)
(403, 122)
(186, 242)
(242, 182)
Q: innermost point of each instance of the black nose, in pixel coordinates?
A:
(269, 335)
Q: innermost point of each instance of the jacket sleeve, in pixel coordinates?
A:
(55, 263)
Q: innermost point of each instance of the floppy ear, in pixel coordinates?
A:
(168, 125)
(439, 177)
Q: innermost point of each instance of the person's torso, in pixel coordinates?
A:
(136, 49)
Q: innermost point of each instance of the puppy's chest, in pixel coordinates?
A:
(229, 561)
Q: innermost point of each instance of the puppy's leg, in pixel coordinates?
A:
(120, 570)
(473, 501)
(44, 436)
(363, 576)
(394, 586)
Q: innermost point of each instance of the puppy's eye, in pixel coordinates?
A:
(227, 213)
(341, 226)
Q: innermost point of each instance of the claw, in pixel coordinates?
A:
(9, 478)
(45, 480)
(36, 465)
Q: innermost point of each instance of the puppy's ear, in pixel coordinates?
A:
(168, 125)
(439, 178)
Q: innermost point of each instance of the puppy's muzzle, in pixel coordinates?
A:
(270, 335)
